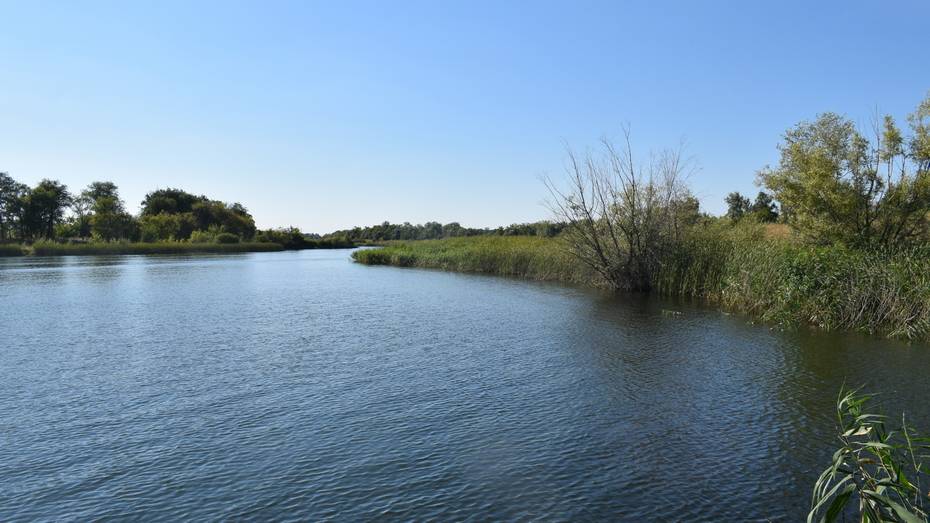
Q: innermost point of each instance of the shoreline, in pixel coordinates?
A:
(773, 281)
(95, 249)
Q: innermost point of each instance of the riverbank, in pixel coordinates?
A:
(527, 257)
(64, 249)
(85, 249)
(167, 247)
(741, 269)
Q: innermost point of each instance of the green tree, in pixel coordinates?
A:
(110, 221)
(98, 190)
(165, 226)
(46, 207)
(82, 207)
(289, 237)
(160, 227)
(11, 194)
(764, 209)
(828, 181)
(169, 201)
(919, 148)
(451, 230)
(234, 219)
(105, 213)
(737, 205)
(21, 212)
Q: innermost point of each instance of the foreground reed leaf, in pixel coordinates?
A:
(878, 468)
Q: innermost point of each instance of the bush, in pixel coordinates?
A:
(226, 237)
(292, 239)
(202, 237)
(160, 227)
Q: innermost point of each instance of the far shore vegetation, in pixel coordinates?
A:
(838, 237)
(49, 220)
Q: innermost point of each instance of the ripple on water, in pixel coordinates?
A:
(298, 386)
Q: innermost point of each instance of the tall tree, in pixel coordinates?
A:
(97, 190)
(110, 221)
(11, 193)
(737, 205)
(829, 178)
(46, 206)
(169, 201)
(764, 208)
(82, 207)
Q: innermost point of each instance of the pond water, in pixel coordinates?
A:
(301, 386)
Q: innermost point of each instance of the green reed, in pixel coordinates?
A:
(739, 268)
(876, 472)
(518, 256)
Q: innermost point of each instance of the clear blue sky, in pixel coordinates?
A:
(326, 115)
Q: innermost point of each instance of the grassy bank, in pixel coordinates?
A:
(76, 249)
(746, 269)
(521, 256)
(782, 282)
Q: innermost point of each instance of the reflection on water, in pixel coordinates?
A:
(300, 385)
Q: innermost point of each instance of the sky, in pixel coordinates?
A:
(327, 115)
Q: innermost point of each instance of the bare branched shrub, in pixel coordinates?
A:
(624, 217)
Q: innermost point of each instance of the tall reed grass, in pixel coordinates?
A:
(519, 256)
(743, 268)
(782, 282)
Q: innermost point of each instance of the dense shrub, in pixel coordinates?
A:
(202, 237)
(226, 237)
(161, 227)
(291, 238)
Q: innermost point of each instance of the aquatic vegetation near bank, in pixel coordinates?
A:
(787, 283)
(520, 256)
(876, 470)
(740, 268)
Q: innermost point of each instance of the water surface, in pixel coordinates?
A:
(300, 386)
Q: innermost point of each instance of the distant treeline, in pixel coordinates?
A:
(51, 213)
(435, 230)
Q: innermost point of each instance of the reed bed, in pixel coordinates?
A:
(744, 269)
(782, 282)
(527, 257)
